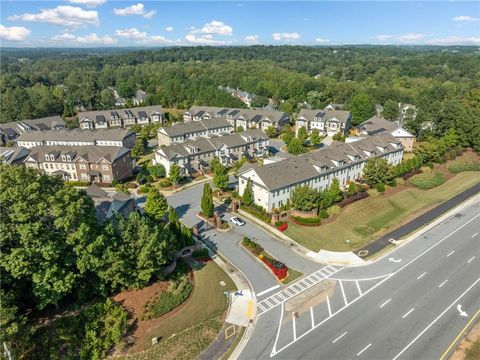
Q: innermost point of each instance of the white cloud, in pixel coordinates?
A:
(410, 38)
(92, 39)
(251, 39)
(322, 41)
(69, 16)
(206, 39)
(455, 40)
(383, 37)
(464, 18)
(137, 9)
(169, 28)
(14, 33)
(142, 37)
(88, 3)
(216, 27)
(286, 36)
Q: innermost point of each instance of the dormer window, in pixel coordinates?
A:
(64, 158)
(47, 157)
(69, 158)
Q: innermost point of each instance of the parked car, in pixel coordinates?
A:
(237, 221)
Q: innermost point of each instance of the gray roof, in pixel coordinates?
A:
(45, 123)
(301, 168)
(149, 110)
(376, 125)
(254, 115)
(96, 191)
(92, 154)
(324, 115)
(13, 155)
(116, 134)
(196, 126)
(140, 95)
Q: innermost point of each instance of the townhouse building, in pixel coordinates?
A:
(244, 118)
(13, 155)
(273, 183)
(328, 122)
(195, 155)
(377, 125)
(102, 119)
(180, 133)
(96, 164)
(76, 137)
(12, 130)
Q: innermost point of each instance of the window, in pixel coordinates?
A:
(104, 167)
(83, 166)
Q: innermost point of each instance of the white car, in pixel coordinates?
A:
(237, 221)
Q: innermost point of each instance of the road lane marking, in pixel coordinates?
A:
(385, 303)
(268, 290)
(294, 328)
(274, 349)
(311, 315)
(407, 313)
(461, 334)
(435, 320)
(443, 283)
(343, 294)
(450, 253)
(474, 235)
(470, 260)
(329, 308)
(358, 288)
(338, 338)
(425, 273)
(365, 348)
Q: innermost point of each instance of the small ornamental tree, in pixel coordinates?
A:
(377, 170)
(157, 171)
(288, 136)
(220, 177)
(247, 196)
(207, 201)
(304, 198)
(315, 137)
(335, 191)
(156, 205)
(174, 173)
(302, 134)
(271, 131)
(296, 147)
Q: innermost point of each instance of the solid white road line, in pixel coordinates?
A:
(274, 349)
(450, 253)
(435, 320)
(474, 235)
(385, 303)
(365, 348)
(470, 260)
(294, 328)
(358, 288)
(311, 315)
(338, 338)
(268, 290)
(329, 308)
(408, 312)
(343, 293)
(443, 283)
(418, 278)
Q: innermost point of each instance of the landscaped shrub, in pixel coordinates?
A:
(114, 183)
(334, 210)
(427, 180)
(201, 253)
(380, 187)
(77, 183)
(143, 189)
(323, 214)
(464, 166)
(278, 223)
(165, 183)
(351, 199)
(258, 212)
(315, 221)
(282, 227)
(393, 182)
(246, 241)
(281, 272)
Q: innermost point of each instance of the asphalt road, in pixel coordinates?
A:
(404, 306)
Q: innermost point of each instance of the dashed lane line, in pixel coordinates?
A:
(385, 303)
(470, 260)
(443, 283)
(338, 338)
(418, 278)
(407, 313)
(450, 253)
(365, 348)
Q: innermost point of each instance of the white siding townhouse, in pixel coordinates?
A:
(180, 133)
(195, 155)
(272, 184)
(245, 118)
(328, 122)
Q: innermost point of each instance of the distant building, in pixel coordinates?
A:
(101, 164)
(77, 137)
(13, 155)
(405, 110)
(139, 98)
(328, 122)
(11, 130)
(102, 119)
(108, 204)
(334, 107)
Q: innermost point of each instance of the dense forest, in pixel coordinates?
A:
(443, 83)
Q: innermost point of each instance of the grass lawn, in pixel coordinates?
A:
(207, 301)
(369, 218)
(292, 275)
(145, 158)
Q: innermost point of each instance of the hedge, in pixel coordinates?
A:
(77, 183)
(464, 166)
(259, 214)
(380, 187)
(315, 221)
(200, 253)
(353, 198)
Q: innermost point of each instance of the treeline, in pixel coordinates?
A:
(55, 254)
(443, 85)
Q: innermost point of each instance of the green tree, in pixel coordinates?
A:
(391, 110)
(247, 196)
(302, 134)
(335, 190)
(427, 151)
(156, 205)
(157, 171)
(271, 131)
(304, 198)
(139, 148)
(362, 108)
(174, 173)
(220, 176)
(288, 136)
(315, 138)
(122, 187)
(296, 147)
(207, 201)
(377, 170)
(260, 101)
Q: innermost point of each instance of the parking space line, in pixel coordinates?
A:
(407, 313)
(365, 348)
(470, 260)
(443, 283)
(294, 329)
(450, 253)
(268, 290)
(358, 288)
(474, 235)
(338, 338)
(311, 315)
(328, 305)
(343, 294)
(418, 278)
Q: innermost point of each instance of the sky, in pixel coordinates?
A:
(99, 23)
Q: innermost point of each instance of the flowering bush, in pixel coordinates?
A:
(283, 227)
(280, 273)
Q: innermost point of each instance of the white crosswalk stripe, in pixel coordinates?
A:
(295, 289)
